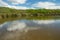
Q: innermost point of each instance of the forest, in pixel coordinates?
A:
(9, 13)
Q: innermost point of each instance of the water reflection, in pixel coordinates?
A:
(50, 27)
(21, 24)
(44, 21)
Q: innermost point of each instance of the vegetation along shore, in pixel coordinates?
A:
(12, 13)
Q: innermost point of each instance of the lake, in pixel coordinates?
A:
(24, 29)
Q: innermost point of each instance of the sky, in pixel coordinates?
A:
(30, 4)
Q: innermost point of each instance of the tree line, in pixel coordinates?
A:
(8, 12)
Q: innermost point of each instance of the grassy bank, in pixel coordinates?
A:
(28, 18)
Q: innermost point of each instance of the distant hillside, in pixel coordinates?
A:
(29, 12)
(9, 10)
(6, 10)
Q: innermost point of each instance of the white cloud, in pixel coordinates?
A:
(20, 7)
(17, 1)
(46, 5)
(2, 3)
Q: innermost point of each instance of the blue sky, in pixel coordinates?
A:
(31, 4)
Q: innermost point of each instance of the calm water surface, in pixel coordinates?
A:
(30, 30)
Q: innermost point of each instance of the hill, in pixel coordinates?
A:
(8, 12)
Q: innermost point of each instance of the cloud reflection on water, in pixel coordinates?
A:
(43, 21)
(24, 24)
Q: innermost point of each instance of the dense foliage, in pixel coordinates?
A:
(8, 12)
